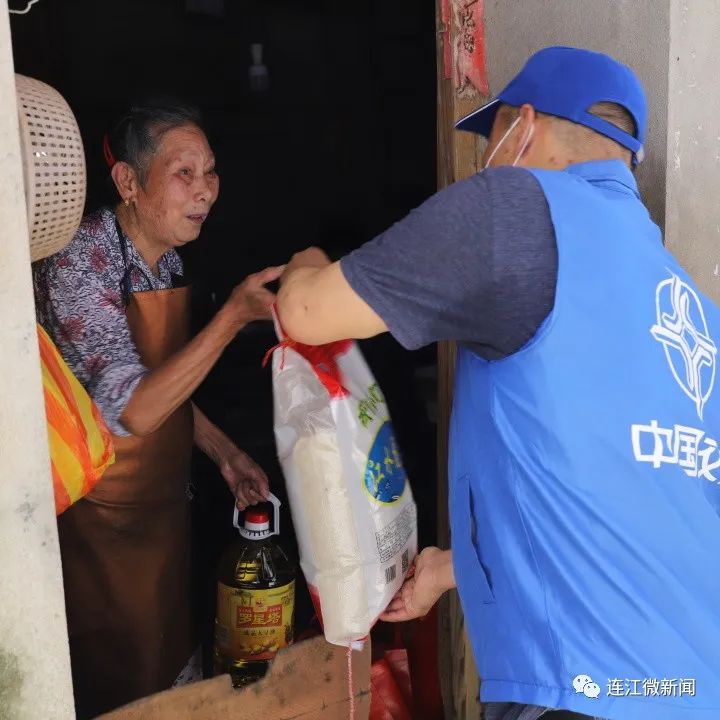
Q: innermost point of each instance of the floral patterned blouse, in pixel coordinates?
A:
(79, 302)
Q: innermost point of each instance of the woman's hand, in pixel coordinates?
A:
(431, 576)
(251, 300)
(245, 478)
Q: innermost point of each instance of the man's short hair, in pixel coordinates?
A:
(616, 115)
(580, 137)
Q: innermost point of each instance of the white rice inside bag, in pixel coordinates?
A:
(351, 502)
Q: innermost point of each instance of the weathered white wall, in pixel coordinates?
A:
(693, 148)
(635, 32)
(34, 660)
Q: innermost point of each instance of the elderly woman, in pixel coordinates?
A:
(115, 303)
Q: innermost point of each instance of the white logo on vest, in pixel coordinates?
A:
(683, 331)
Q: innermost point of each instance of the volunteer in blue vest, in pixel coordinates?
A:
(584, 462)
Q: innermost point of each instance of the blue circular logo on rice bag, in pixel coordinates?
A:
(384, 473)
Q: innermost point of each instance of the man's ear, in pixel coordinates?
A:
(528, 122)
(126, 181)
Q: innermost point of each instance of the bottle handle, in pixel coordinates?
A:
(276, 515)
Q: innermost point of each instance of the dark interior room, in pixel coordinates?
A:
(324, 134)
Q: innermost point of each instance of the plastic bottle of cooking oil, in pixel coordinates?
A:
(256, 599)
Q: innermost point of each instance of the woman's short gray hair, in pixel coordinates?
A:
(136, 136)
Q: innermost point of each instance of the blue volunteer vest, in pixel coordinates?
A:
(585, 477)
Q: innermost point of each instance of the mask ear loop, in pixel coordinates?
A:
(525, 144)
(502, 140)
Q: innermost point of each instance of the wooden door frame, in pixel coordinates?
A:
(458, 157)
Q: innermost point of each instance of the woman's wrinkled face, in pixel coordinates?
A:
(180, 187)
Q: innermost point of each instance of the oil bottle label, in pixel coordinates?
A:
(254, 624)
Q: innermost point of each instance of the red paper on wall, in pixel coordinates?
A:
(470, 45)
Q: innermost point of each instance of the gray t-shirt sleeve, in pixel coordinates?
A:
(476, 263)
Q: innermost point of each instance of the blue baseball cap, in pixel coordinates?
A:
(566, 82)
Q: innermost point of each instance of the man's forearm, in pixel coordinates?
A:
(445, 572)
(294, 302)
(316, 305)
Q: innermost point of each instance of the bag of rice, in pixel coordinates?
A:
(351, 502)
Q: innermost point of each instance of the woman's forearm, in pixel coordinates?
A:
(210, 438)
(165, 389)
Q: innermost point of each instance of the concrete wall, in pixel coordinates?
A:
(693, 173)
(34, 659)
(672, 45)
(636, 32)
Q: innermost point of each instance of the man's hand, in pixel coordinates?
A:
(432, 576)
(245, 478)
(313, 257)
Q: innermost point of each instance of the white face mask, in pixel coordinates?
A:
(505, 137)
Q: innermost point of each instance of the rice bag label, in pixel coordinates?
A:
(254, 624)
(371, 405)
(385, 476)
(393, 538)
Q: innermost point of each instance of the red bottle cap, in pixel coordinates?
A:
(257, 517)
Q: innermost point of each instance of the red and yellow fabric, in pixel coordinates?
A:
(81, 447)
